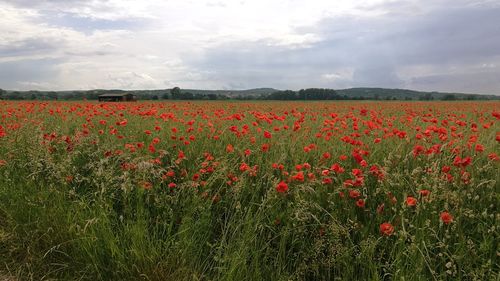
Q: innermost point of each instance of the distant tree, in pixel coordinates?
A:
(302, 94)
(187, 96)
(52, 95)
(212, 96)
(14, 96)
(471, 97)
(176, 93)
(449, 97)
(318, 94)
(283, 95)
(165, 96)
(92, 95)
(199, 97)
(73, 96)
(427, 96)
(2, 93)
(154, 97)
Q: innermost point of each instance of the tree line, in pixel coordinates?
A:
(304, 94)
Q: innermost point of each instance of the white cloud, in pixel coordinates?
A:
(191, 44)
(331, 76)
(340, 74)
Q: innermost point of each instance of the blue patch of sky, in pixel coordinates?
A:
(88, 25)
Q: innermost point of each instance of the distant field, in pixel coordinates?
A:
(250, 190)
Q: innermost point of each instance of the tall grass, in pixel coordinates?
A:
(73, 212)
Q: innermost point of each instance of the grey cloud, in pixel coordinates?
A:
(442, 36)
(30, 46)
(14, 74)
(377, 75)
(448, 35)
(245, 65)
(479, 82)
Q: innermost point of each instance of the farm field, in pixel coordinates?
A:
(250, 190)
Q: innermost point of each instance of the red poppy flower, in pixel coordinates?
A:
(181, 155)
(445, 169)
(446, 217)
(493, 156)
(151, 148)
(424, 192)
(299, 176)
(353, 193)
(327, 180)
(479, 148)
(282, 187)
(265, 147)
(360, 203)
(411, 201)
(147, 185)
(386, 229)
(244, 167)
(357, 172)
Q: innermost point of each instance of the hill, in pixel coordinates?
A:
(249, 94)
(402, 94)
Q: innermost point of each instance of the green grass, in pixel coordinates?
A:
(103, 225)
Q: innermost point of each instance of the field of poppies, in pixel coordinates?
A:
(250, 190)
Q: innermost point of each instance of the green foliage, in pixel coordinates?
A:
(305, 94)
(175, 93)
(449, 97)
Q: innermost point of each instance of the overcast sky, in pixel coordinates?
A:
(442, 45)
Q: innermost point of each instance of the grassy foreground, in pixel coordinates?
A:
(249, 191)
